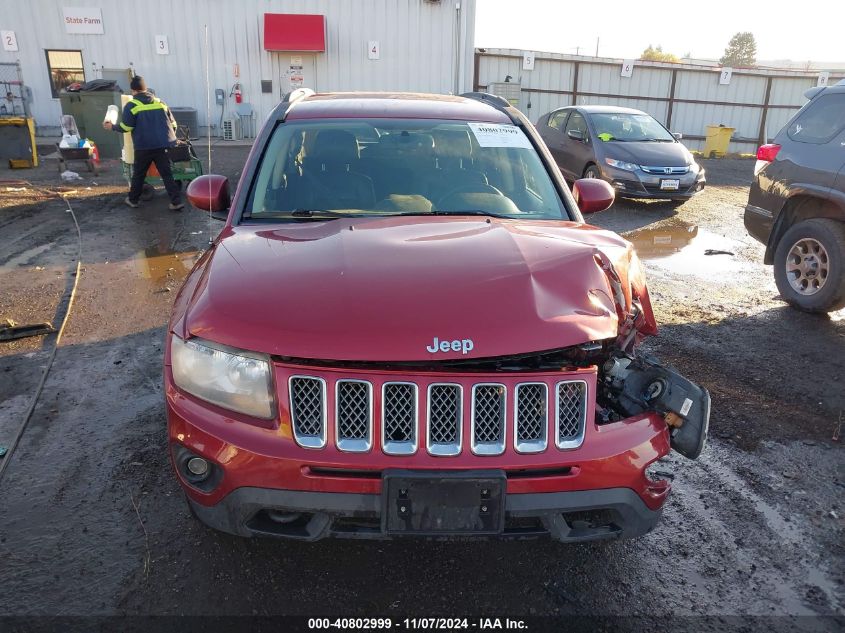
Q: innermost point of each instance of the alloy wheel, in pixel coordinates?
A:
(807, 266)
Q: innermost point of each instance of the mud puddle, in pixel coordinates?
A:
(686, 248)
(157, 265)
(25, 258)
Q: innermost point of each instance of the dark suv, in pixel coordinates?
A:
(796, 206)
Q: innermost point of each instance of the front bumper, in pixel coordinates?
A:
(584, 515)
(260, 470)
(638, 184)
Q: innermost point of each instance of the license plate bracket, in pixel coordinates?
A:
(428, 504)
(670, 184)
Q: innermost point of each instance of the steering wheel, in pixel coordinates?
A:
(472, 187)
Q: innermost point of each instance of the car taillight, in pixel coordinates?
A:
(768, 152)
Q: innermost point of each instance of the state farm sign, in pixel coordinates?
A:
(83, 20)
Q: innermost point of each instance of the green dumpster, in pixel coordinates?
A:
(89, 110)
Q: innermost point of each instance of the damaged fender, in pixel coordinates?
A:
(637, 383)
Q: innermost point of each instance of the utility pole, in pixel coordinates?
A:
(597, 47)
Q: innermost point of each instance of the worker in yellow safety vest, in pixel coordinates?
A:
(153, 131)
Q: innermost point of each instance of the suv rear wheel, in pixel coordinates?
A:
(810, 265)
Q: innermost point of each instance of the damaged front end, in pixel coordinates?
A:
(629, 385)
(630, 382)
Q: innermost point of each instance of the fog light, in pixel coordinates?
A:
(618, 184)
(197, 466)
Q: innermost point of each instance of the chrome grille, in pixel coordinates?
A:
(444, 419)
(488, 419)
(353, 415)
(399, 418)
(571, 413)
(308, 411)
(539, 411)
(531, 417)
(665, 171)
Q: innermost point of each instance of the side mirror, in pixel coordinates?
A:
(578, 135)
(678, 136)
(210, 193)
(592, 194)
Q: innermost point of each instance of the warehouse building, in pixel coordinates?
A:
(254, 51)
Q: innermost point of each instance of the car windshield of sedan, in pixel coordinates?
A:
(352, 167)
(624, 127)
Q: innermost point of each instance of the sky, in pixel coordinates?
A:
(800, 31)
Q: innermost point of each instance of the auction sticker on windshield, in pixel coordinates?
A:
(499, 135)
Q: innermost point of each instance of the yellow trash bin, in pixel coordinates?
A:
(717, 139)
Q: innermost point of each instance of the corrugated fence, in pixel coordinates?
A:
(685, 98)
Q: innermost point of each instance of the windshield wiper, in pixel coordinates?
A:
(323, 214)
(313, 213)
(305, 214)
(474, 212)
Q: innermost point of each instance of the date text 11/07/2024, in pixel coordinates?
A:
(434, 624)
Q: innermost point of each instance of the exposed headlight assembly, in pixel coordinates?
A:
(620, 164)
(240, 381)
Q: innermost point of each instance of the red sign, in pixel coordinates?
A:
(294, 32)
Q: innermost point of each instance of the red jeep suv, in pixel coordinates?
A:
(406, 328)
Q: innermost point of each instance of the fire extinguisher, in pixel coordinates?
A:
(237, 92)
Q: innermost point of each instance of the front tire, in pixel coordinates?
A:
(810, 265)
(592, 172)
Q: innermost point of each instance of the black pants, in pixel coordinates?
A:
(143, 159)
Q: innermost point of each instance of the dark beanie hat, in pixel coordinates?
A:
(138, 83)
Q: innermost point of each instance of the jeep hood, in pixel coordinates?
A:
(382, 289)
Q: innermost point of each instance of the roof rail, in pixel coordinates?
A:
(295, 95)
(292, 98)
(500, 103)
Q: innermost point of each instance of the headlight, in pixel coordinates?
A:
(620, 164)
(239, 381)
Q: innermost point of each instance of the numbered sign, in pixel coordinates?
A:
(627, 68)
(162, 47)
(10, 42)
(373, 49)
(725, 76)
(528, 61)
(824, 77)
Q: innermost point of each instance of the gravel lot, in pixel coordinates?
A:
(94, 523)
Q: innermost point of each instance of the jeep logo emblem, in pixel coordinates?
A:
(464, 346)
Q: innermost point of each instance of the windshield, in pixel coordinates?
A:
(329, 168)
(624, 127)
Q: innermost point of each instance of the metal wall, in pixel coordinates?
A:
(686, 98)
(426, 46)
